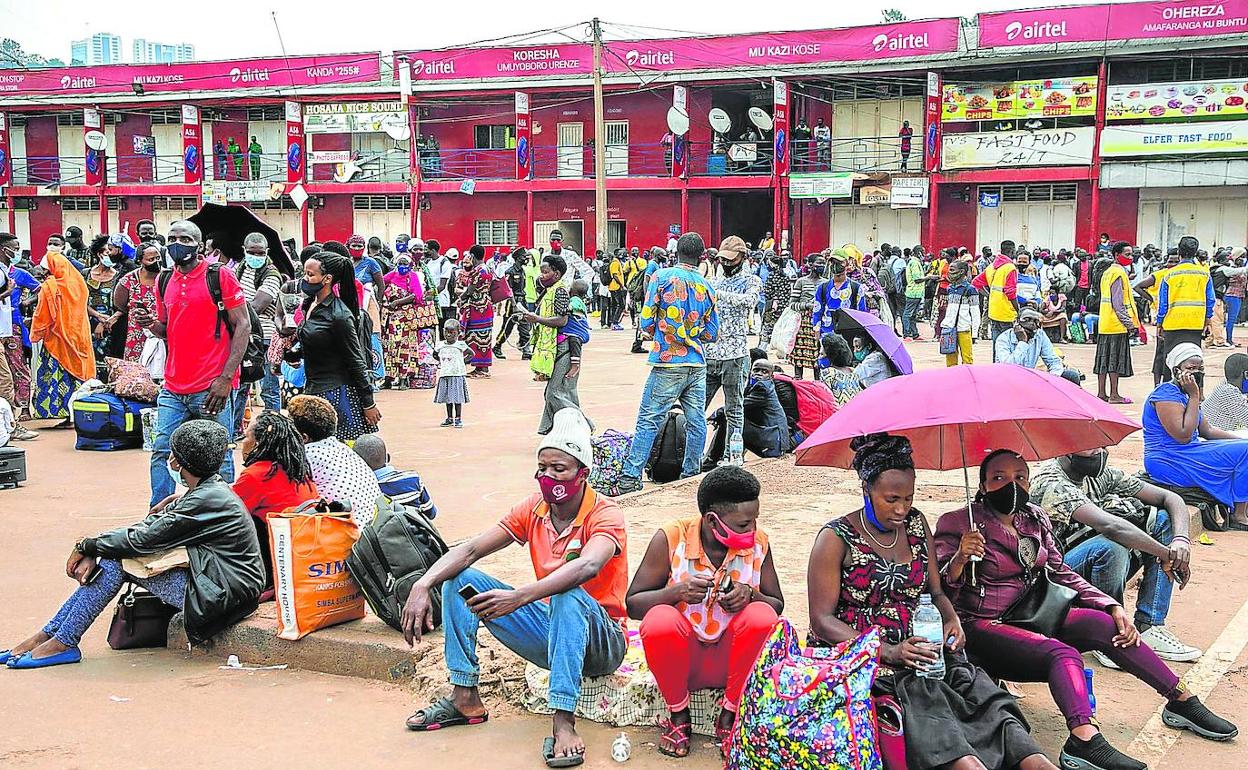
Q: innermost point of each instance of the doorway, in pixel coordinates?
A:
(616, 229)
(571, 162)
(746, 214)
(573, 233)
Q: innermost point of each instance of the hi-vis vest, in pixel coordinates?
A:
(999, 306)
(1185, 308)
(1109, 323)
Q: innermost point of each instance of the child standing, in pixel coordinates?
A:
(453, 355)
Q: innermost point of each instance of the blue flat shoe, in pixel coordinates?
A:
(72, 655)
(5, 655)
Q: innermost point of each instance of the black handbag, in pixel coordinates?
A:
(140, 620)
(1042, 608)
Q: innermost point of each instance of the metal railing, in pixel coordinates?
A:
(861, 153)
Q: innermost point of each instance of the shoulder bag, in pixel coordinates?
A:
(1043, 606)
(949, 337)
(140, 620)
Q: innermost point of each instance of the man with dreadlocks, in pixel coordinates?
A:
(275, 477)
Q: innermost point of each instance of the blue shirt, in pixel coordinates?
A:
(364, 270)
(405, 488)
(24, 282)
(829, 299)
(1010, 350)
(679, 312)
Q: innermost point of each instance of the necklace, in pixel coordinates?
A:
(867, 529)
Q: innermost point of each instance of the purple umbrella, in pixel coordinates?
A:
(853, 321)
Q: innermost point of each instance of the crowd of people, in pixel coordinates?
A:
(360, 317)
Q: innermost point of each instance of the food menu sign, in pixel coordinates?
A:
(1050, 98)
(1177, 100)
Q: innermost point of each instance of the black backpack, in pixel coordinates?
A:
(667, 456)
(393, 552)
(637, 286)
(252, 368)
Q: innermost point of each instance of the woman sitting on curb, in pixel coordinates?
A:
(218, 587)
(707, 596)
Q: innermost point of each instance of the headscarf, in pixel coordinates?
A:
(411, 281)
(879, 452)
(1182, 352)
(122, 242)
(60, 320)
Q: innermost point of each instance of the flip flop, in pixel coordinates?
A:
(548, 754)
(1121, 400)
(442, 713)
(72, 655)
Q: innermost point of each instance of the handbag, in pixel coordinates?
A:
(1043, 606)
(500, 290)
(949, 337)
(140, 620)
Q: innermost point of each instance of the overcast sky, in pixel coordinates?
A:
(241, 29)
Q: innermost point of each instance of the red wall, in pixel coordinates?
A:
(324, 172)
(45, 220)
(955, 220)
(137, 207)
(44, 166)
(233, 123)
(811, 225)
(1119, 216)
(335, 220)
(132, 168)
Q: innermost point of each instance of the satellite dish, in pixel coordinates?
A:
(396, 128)
(720, 120)
(678, 121)
(760, 118)
(95, 140)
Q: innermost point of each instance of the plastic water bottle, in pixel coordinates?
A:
(928, 625)
(736, 449)
(1087, 676)
(621, 748)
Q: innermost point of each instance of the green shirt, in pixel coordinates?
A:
(916, 286)
(531, 273)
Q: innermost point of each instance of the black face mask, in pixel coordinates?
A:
(182, 253)
(1010, 498)
(1089, 467)
(152, 268)
(732, 269)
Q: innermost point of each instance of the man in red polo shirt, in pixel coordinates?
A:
(204, 354)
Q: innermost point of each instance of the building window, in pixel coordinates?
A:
(498, 232)
(494, 137)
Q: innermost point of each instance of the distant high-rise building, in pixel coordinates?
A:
(100, 48)
(151, 52)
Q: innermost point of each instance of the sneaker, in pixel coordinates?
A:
(1105, 660)
(1096, 754)
(617, 328)
(627, 484)
(448, 422)
(23, 434)
(498, 353)
(459, 423)
(1193, 715)
(1168, 646)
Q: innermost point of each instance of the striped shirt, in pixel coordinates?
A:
(271, 286)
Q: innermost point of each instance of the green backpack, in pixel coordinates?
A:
(393, 552)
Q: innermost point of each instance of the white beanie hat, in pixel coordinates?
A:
(1181, 353)
(570, 434)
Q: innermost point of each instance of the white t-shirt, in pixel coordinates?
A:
(451, 359)
(440, 269)
(577, 267)
(6, 305)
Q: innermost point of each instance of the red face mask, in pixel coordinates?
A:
(728, 538)
(1124, 260)
(555, 491)
(556, 245)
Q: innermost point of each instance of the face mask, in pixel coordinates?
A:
(817, 271)
(177, 477)
(859, 355)
(555, 491)
(1243, 386)
(255, 261)
(403, 269)
(55, 249)
(730, 539)
(106, 261)
(400, 247)
(309, 288)
(1124, 260)
(182, 253)
(1089, 467)
(868, 511)
(152, 268)
(1200, 379)
(733, 269)
(1010, 498)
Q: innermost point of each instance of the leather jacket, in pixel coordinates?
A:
(226, 572)
(334, 353)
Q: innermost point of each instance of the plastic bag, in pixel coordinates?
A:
(784, 333)
(311, 584)
(153, 356)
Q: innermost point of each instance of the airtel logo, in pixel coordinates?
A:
(1035, 30)
(77, 82)
(248, 75)
(650, 59)
(421, 67)
(899, 42)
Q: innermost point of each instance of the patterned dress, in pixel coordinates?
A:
(476, 314)
(802, 299)
(140, 297)
(400, 338)
(100, 299)
(776, 293)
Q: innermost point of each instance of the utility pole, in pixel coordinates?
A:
(600, 138)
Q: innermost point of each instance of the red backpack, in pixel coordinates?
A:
(815, 402)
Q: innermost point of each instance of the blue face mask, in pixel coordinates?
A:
(176, 476)
(403, 269)
(868, 511)
(1243, 386)
(859, 355)
(400, 247)
(255, 261)
(182, 253)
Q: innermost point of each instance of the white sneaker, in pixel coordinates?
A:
(1168, 646)
(1105, 661)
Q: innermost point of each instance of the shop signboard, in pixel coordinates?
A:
(354, 118)
(1175, 139)
(1200, 98)
(1046, 98)
(829, 185)
(1019, 149)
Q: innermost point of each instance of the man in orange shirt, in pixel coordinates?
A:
(578, 547)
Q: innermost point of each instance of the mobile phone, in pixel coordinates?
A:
(726, 585)
(468, 590)
(95, 574)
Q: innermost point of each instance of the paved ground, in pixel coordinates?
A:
(161, 709)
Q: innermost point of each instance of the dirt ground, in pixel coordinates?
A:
(159, 709)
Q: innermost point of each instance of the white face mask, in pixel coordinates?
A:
(175, 475)
(55, 249)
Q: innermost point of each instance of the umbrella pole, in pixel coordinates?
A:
(966, 487)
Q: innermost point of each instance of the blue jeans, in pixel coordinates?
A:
(1107, 565)
(1233, 305)
(731, 375)
(664, 387)
(171, 411)
(86, 603)
(909, 328)
(571, 637)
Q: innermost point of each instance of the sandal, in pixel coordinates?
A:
(1120, 400)
(723, 736)
(548, 754)
(677, 738)
(439, 714)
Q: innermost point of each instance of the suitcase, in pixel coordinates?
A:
(106, 422)
(12, 467)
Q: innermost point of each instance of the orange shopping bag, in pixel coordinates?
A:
(310, 580)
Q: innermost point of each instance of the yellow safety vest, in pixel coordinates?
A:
(999, 307)
(1185, 306)
(1109, 323)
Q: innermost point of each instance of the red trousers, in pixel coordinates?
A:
(681, 662)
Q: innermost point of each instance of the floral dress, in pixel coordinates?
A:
(476, 314)
(140, 297)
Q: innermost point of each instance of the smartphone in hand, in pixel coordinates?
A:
(468, 591)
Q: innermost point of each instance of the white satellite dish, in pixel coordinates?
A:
(720, 120)
(399, 132)
(677, 121)
(95, 140)
(760, 118)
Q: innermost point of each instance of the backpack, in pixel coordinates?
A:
(815, 402)
(610, 452)
(604, 273)
(253, 365)
(393, 552)
(636, 286)
(885, 275)
(106, 422)
(667, 457)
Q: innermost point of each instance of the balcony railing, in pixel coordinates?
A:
(863, 154)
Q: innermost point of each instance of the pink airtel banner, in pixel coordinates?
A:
(502, 62)
(276, 72)
(1118, 21)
